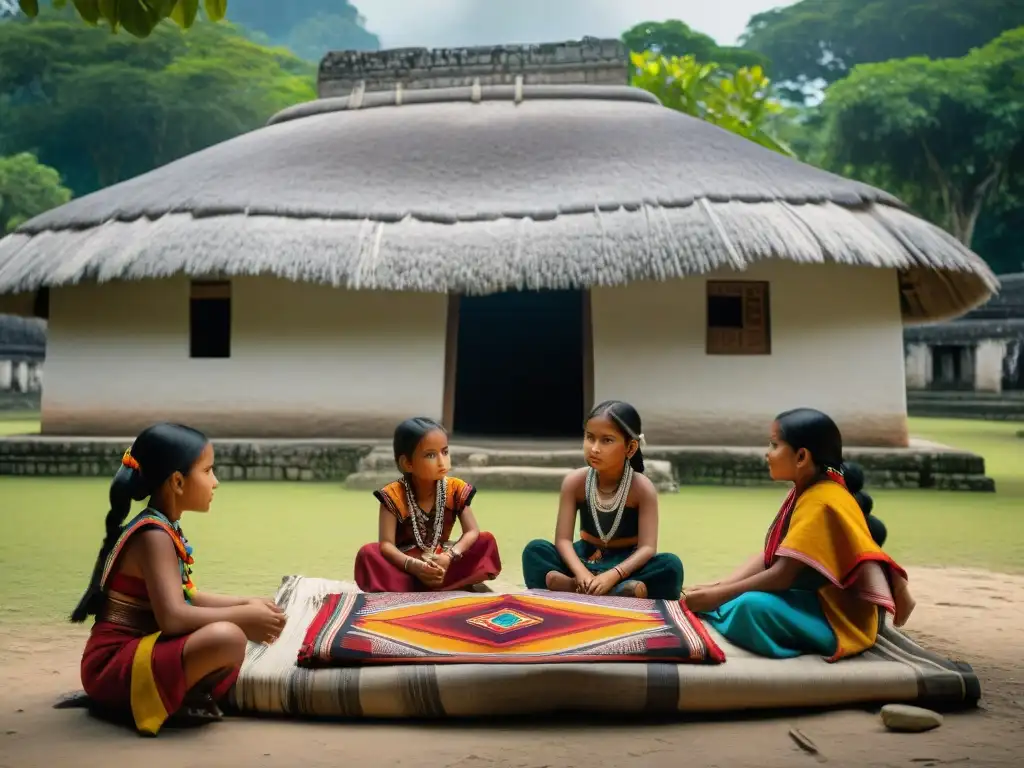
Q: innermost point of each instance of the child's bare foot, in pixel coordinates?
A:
(559, 582)
(631, 588)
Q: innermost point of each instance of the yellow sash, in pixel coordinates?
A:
(829, 533)
(147, 706)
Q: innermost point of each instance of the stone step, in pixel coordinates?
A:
(511, 478)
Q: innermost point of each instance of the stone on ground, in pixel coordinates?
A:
(907, 719)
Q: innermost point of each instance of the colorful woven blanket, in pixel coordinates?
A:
(355, 629)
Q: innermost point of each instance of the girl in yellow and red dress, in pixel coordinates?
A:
(158, 646)
(818, 584)
(416, 517)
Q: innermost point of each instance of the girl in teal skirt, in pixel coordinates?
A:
(617, 552)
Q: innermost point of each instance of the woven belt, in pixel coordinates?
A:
(137, 617)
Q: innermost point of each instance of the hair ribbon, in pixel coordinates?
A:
(130, 461)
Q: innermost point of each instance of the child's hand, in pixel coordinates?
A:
(603, 584)
(266, 601)
(429, 574)
(583, 582)
(704, 599)
(443, 561)
(260, 623)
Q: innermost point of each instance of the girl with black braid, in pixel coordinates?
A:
(158, 646)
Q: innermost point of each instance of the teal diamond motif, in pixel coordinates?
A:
(506, 620)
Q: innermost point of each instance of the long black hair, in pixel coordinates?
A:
(819, 435)
(157, 453)
(410, 433)
(625, 417)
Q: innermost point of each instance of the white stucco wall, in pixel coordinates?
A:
(306, 360)
(837, 345)
(988, 365)
(918, 362)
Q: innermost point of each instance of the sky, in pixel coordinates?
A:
(453, 23)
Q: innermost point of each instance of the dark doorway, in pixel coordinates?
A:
(519, 367)
(952, 367)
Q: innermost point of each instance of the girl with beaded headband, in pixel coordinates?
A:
(416, 516)
(159, 649)
(618, 511)
(818, 584)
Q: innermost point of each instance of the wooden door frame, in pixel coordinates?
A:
(451, 358)
(588, 355)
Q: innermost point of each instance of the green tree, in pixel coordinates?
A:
(676, 38)
(739, 101)
(946, 135)
(101, 108)
(136, 17)
(815, 40)
(27, 188)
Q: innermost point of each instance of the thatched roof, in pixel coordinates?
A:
(483, 189)
(1000, 318)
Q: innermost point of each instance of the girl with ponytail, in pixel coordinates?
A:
(822, 576)
(618, 511)
(158, 646)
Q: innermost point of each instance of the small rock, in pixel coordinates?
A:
(901, 717)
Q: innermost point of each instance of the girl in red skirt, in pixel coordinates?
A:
(417, 514)
(158, 646)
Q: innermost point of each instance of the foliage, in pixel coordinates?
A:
(814, 40)
(676, 38)
(947, 133)
(101, 108)
(309, 28)
(136, 17)
(739, 101)
(27, 188)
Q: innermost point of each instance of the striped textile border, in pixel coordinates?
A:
(895, 670)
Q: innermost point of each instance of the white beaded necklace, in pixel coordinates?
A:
(420, 518)
(617, 505)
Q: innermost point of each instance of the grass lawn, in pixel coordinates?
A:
(258, 532)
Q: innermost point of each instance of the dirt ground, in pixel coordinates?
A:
(976, 616)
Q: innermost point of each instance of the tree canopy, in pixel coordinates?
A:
(676, 38)
(825, 39)
(27, 188)
(740, 101)
(102, 108)
(945, 133)
(136, 17)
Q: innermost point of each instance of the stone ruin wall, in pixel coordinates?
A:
(589, 61)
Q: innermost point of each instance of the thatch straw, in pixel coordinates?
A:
(572, 186)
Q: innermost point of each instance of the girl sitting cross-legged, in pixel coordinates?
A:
(416, 517)
(819, 583)
(618, 511)
(159, 647)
